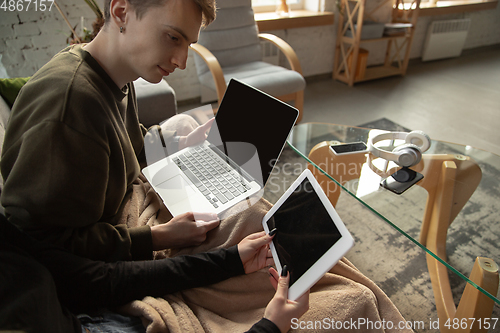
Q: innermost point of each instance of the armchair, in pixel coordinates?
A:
(230, 48)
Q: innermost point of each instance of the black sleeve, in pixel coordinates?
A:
(264, 326)
(87, 284)
(84, 284)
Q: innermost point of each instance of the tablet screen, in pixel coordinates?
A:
(305, 230)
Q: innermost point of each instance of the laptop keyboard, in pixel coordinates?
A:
(218, 182)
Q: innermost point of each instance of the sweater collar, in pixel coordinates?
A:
(119, 93)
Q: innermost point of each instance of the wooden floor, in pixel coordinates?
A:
(456, 100)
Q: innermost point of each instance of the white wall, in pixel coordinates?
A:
(29, 39)
(484, 29)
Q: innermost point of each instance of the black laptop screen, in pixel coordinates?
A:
(251, 128)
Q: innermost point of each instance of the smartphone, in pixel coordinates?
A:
(349, 148)
(401, 180)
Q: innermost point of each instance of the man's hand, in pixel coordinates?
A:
(188, 229)
(280, 309)
(197, 136)
(254, 252)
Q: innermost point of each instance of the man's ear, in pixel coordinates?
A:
(119, 10)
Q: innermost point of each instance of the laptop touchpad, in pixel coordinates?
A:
(176, 189)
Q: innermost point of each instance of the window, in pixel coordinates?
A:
(270, 5)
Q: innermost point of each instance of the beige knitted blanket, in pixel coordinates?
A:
(344, 300)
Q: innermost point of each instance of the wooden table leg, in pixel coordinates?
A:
(450, 180)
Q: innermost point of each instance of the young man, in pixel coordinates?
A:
(71, 167)
(71, 155)
(71, 159)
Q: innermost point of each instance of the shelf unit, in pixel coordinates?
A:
(352, 13)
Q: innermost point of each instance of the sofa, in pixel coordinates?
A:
(156, 102)
(4, 118)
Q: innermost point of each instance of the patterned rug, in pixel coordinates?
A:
(403, 274)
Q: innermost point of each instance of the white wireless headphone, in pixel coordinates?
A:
(405, 155)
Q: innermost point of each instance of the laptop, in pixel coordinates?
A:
(236, 160)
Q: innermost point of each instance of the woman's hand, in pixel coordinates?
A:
(280, 309)
(254, 252)
(188, 229)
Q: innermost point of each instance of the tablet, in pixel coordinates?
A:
(311, 238)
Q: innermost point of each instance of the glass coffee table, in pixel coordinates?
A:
(399, 236)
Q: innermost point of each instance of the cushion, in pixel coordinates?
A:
(9, 88)
(221, 4)
(232, 37)
(273, 80)
(231, 18)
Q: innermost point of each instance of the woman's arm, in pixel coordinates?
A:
(84, 284)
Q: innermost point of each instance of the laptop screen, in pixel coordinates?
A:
(251, 128)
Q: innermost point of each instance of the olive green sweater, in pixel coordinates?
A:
(70, 157)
